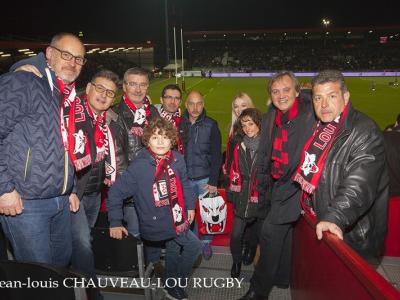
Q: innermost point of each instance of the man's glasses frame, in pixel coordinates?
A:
(136, 85)
(65, 55)
(101, 89)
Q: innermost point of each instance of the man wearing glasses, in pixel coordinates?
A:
(128, 119)
(169, 109)
(36, 170)
(95, 164)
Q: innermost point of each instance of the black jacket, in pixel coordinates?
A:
(202, 144)
(242, 208)
(353, 190)
(392, 146)
(283, 195)
(90, 179)
(127, 144)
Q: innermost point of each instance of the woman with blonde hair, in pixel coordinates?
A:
(240, 102)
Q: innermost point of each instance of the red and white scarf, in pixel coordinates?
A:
(174, 118)
(167, 190)
(235, 178)
(74, 133)
(140, 115)
(313, 157)
(227, 158)
(279, 157)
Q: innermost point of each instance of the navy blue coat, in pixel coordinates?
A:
(32, 157)
(202, 144)
(156, 223)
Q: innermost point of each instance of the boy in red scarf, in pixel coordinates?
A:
(164, 202)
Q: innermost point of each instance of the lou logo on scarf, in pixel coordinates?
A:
(80, 140)
(325, 136)
(309, 165)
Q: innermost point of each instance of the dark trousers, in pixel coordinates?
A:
(274, 265)
(3, 245)
(239, 227)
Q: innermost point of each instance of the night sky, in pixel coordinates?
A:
(135, 21)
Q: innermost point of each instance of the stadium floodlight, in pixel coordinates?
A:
(370, 31)
(28, 52)
(23, 50)
(306, 33)
(327, 32)
(6, 55)
(326, 22)
(33, 54)
(139, 48)
(348, 32)
(1, 53)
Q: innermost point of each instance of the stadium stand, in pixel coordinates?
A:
(296, 50)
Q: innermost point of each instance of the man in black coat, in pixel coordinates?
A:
(285, 128)
(392, 146)
(343, 171)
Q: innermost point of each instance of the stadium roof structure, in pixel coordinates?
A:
(30, 48)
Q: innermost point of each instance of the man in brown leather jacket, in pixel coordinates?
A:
(343, 171)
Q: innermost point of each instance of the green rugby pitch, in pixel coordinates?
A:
(382, 105)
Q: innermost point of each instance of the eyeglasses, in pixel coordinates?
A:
(65, 55)
(168, 97)
(101, 89)
(136, 85)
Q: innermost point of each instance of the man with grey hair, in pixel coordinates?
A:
(36, 169)
(343, 174)
(128, 119)
(284, 130)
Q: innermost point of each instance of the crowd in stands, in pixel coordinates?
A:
(297, 56)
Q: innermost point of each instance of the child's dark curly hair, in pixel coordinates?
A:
(160, 126)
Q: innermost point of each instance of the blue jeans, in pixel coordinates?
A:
(181, 253)
(152, 251)
(199, 188)
(131, 220)
(42, 233)
(81, 223)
